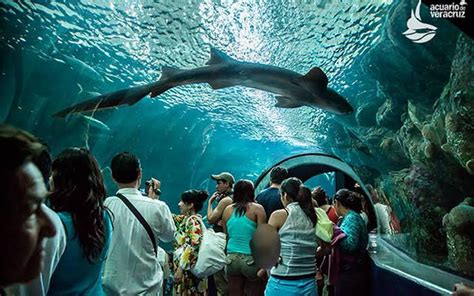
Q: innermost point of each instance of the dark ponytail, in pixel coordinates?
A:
(306, 203)
(297, 192)
(244, 192)
(196, 197)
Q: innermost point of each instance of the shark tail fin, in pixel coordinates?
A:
(218, 57)
(285, 102)
(128, 96)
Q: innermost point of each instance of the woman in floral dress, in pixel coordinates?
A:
(188, 238)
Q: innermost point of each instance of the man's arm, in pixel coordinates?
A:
(214, 215)
(209, 203)
(166, 224)
(154, 190)
(225, 217)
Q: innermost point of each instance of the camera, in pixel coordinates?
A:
(149, 183)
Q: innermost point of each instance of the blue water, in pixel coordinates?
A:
(189, 132)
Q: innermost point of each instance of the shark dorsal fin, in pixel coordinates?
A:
(218, 57)
(314, 76)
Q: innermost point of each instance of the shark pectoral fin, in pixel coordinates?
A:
(220, 84)
(314, 76)
(218, 57)
(167, 72)
(285, 102)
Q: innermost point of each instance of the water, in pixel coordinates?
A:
(127, 43)
(58, 53)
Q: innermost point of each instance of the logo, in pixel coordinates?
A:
(418, 31)
(452, 10)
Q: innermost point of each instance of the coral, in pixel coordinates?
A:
(460, 137)
(418, 114)
(425, 134)
(393, 150)
(456, 106)
(388, 115)
(430, 133)
(429, 149)
(459, 225)
(416, 197)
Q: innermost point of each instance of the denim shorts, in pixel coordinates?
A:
(302, 287)
(241, 264)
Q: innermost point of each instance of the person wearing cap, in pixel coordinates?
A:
(223, 198)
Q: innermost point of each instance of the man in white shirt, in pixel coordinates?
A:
(132, 266)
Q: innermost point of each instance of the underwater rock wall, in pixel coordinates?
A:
(437, 138)
(422, 137)
(459, 226)
(457, 106)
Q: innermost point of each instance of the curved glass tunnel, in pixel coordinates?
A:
(390, 264)
(334, 174)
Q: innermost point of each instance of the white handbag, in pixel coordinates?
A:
(211, 256)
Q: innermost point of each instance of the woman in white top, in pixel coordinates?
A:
(295, 272)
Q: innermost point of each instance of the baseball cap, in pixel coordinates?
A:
(224, 176)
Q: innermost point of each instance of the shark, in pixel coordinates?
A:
(85, 71)
(292, 89)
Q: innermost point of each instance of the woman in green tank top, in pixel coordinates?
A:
(240, 221)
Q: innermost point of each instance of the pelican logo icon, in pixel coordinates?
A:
(418, 31)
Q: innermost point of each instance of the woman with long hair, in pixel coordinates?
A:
(77, 196)
(240, 222)
(319, 195)
(188, 237)
(295, 272)
(352, 277)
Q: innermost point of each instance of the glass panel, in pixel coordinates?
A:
(326, 181)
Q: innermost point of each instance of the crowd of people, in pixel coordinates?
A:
(63, 236)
